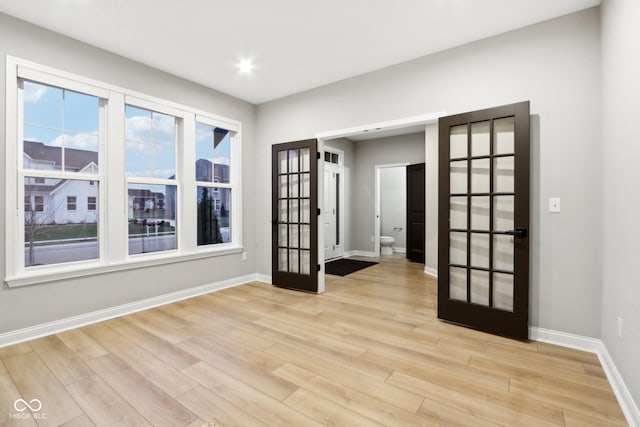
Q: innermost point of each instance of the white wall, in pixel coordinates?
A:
(555, 65)
(621, 196)
(31, 305)
(393, 204)
(383, 151)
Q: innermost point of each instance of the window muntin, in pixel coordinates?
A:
(60, 129)
(150, 143)
(56, 228)
(152, 218)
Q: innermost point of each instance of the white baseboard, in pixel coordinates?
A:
(594, 345)
(399, 250)
(431, 271)
(359, 253)
(56, 326)
(264, 278)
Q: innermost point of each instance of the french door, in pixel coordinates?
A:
(294, 215)
(483, 220)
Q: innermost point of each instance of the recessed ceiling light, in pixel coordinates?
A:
(245, 66)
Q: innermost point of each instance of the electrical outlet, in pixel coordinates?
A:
(245, 256)
(619, 327)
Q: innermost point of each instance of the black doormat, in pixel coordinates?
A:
(342, 267)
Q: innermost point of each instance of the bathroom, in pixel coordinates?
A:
(393, 209)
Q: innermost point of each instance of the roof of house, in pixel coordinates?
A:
(74, 159)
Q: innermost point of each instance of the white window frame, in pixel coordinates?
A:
(112, 197)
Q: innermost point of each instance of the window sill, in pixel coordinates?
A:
(65, 273)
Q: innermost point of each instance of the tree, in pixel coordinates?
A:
(36, 220)
(208, 225)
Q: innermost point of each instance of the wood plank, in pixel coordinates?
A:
(82, 344)
(150, 401)
(15, 350)
(575, 419)
(8, 395)
(82, 421)
(353, 400)
(210, 406)
(263, 407)
(60, 360)
(325, 411)
(163, 375)
(35, 381)
(103, 405)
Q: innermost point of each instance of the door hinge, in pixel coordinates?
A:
(318, 211)
(318, 156)
(318, 267)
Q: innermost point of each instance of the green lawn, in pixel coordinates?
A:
(66, 231)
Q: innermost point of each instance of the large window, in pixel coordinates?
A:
(111, 177)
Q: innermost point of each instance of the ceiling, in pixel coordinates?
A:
(295, 44)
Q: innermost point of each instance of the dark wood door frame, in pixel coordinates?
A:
(416, 212)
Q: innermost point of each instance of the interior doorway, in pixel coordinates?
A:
(333, 212)
(390, 209)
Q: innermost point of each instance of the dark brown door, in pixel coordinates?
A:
(295, 220)
(483, 220)
(415, 213)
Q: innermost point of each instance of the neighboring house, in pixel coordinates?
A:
(146, 200)
(57, 201)
(207, 171)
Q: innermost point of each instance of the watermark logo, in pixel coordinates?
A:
(27, 410)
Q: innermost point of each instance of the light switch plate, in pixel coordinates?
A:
(554, 204)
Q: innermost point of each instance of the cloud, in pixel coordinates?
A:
(80, 141)
(141, 128)
(33, 93)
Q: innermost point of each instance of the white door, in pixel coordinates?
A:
(330, 217)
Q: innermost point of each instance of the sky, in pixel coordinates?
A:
(59, 117)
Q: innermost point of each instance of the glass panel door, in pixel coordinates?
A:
(294, 218)
(483, 209)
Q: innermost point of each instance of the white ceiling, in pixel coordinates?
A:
(296, 44)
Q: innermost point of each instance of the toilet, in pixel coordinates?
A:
(386, 242)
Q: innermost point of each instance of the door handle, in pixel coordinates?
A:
(518, 232)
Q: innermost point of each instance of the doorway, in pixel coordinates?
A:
(390, 209)
(333, 212)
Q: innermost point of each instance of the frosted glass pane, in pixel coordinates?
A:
(503, 252)
(458, 142)
(282, 210)
(293, 236)
(293, 185)
(458, 248)
(282, 235)
(480, 176)
(305, 157)
(480, 287)
(305, 262)
(480, 141)
(458, 213)
(480, 213)
(293, 261)
(503, 291)
(282, 260)
(503, 136)
(306, 185)
(282, 162)
(305, 236)
(282, 187)
(503, 172)
(503, 213)
(305, 211)
(458, 177)
(293, 160)
(457, 283)
(293, 210)
(480, 250)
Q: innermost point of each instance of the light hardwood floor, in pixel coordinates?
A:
(369, 351)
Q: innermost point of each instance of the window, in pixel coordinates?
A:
(67, 138)
(71, 203)
(213, 167)
(151, 174)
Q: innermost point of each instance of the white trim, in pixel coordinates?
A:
(594, 345)
(56, 79)
(399, 250)
(431, 272)
(134, 261)
(383, 126)
(57, 326)
(264, 278)
(153, 106)
(360, 253)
